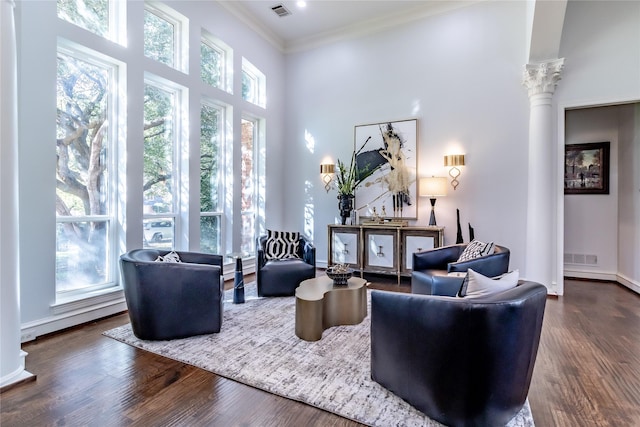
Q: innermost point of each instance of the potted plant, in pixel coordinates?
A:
(348, 179)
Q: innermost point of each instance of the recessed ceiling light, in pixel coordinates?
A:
(302, 4)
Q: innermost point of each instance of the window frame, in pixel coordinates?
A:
(180, 35)
(226, 67)
(115, 116)
(223, 209)
(178, 141)
(260, 89)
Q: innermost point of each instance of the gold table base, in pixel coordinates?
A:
(321, 305)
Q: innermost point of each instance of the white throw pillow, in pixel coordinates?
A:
(170, 257)
(481, 286)
(476, 249)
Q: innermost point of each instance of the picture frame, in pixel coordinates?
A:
(386, 159)
(586, 168)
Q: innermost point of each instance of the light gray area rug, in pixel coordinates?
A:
(257, 346)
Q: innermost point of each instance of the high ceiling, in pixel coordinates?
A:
(323, 20)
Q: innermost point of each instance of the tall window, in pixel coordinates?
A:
(249, 185)
(212, 178)
(85, 208)
(160, 187)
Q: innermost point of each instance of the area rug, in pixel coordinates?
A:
(257, 346)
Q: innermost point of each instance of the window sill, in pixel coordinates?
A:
(101, 297)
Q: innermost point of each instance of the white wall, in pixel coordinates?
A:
(601, 47)
(460, 75)
(38, 29)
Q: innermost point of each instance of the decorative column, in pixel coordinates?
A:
(541, 80)
(11, 356)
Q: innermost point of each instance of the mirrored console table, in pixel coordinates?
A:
(382, 249)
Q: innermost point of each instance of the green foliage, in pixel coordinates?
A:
(349, 178)
(158, 38)
(92, 15)
(209, 159)
(210, 63)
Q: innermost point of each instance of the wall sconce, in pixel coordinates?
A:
(453, 161)
(326, 171)
(433, 187)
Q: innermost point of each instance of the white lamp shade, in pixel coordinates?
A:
(433, 187)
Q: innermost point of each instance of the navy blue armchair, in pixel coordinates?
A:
(168, 300)
(281, 277)
(431, 268)
(461, 361)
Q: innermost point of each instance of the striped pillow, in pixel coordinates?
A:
(282, 245)
(476, 249)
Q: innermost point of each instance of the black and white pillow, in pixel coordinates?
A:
(476, 249)
(282, 245)
(169, 257)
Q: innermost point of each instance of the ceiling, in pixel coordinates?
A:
(322, 21)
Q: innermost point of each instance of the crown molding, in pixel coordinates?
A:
(243, 14)
(360, 29)
(376, 25)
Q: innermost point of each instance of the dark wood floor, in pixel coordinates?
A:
(587, 374)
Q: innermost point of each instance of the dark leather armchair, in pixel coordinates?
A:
(430, 268)
(172, 300)
(461, 361)
(282, 277)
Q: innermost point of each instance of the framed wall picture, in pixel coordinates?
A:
(386, 159)
(586, 168)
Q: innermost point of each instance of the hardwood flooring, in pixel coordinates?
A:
(587, 374)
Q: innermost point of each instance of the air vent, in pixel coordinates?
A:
(281, 11)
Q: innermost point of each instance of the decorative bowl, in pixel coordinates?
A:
(340, 277)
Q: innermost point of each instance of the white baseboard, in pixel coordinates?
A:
(595, 275)
(612, 277)
(31, 330)
(629, 283)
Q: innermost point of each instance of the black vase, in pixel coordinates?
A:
(345, 205)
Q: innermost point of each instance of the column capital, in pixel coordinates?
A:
(542, 77)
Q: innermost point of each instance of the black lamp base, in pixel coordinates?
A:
(432, 219)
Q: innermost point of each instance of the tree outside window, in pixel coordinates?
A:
(159, 190)
(84, 151)
(159, 38)
(211, 179)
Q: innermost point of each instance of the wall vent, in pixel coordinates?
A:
(581, 259)
(281, 11)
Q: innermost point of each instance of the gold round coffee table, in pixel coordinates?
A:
(321, 305)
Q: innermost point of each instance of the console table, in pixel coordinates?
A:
(383, 249)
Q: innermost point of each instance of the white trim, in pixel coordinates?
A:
(31, 330)
(20, 374)
(629, 283)
(246, 17)
(87, 299)
(594, 275)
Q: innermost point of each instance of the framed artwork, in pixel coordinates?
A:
(586, 168)
(386, 161)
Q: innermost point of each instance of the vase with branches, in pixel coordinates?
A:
(348, 179)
